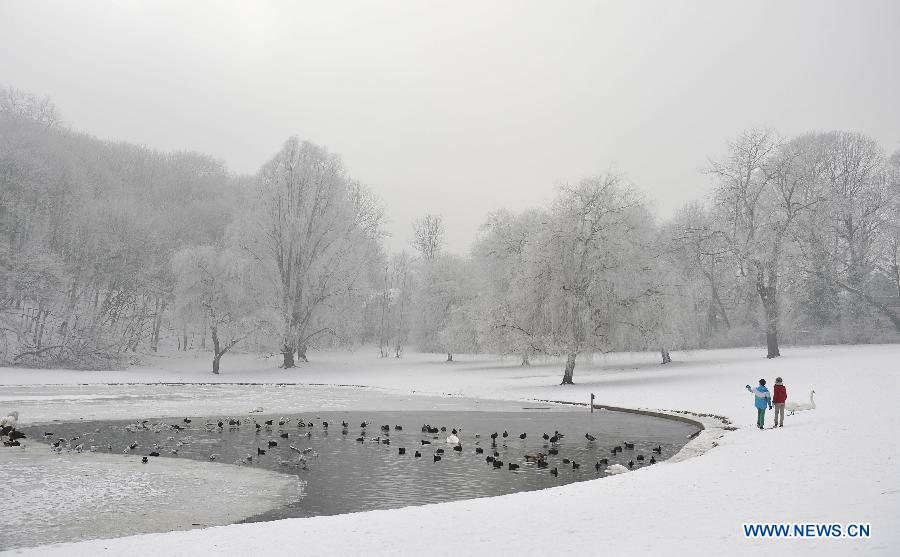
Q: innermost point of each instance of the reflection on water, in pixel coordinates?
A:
(342, 474)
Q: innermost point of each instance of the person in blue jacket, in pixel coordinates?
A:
(763, 400)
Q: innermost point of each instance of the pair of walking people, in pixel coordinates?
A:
(763, 399)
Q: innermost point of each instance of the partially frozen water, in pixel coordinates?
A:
(69, 497)
(348, 475)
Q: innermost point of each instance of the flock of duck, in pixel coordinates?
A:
(275, 439)
(434, 436)
(539, 459)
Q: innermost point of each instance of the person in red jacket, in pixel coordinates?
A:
(778, 398)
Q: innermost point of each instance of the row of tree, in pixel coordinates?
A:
(800, 239)
(110, 248)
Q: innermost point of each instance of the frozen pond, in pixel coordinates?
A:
(341, 474)
(58, 497)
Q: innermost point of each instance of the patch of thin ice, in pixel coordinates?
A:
(71, 497)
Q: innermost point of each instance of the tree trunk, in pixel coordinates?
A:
(157, 323)
(288, 353)
(570, 369)
(895, 270)
(771, 329)
(38, 327)
(768, 294)
(666, 359)
(40, 332)
(399, 349)
(383, 341)
(771, 306)
(72, 300)
(716, 307)
(772, 344)
(217, 353)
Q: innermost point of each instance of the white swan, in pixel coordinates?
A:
(11, 420)
(452, 440)
(616, 469)
(792, 406)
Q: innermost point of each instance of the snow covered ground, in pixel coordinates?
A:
(835, 464)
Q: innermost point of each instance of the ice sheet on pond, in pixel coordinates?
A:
(54, 498)
(66, 403)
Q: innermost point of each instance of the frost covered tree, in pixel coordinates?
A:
(849, 235)
(444, 287)
(396, 300)
(24, 104)
(389, 305)
(584, 269)
(763, 186)
(312, 232)
(512, 324)
(698, 251)
(889, 260)
(213, 283)
(88, 228)
(428, 236)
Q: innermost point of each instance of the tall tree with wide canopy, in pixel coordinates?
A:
(764, 187)
(586, 267)
(312, 231)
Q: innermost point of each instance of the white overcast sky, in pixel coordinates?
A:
(460, 107)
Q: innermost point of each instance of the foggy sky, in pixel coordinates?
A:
(460, 108)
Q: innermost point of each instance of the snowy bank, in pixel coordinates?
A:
(837, 463)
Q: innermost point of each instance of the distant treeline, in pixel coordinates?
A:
(110, 249)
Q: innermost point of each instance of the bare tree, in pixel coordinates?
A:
(852, 229)
(311, 231)
(699, 250)
(444, 287)
(512, 321)
(763, 186)
(584, 267)
(212, 283)
(889, 262)
(23, 104)
(428, 236)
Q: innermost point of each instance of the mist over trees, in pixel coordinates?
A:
(87, 232)
(109, 250)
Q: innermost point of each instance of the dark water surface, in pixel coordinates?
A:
(342, 475)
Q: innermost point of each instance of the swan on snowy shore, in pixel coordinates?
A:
(616, 469)
(792, 406)
(10, 420)
(8, 427)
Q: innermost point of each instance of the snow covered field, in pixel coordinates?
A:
(835, 464)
